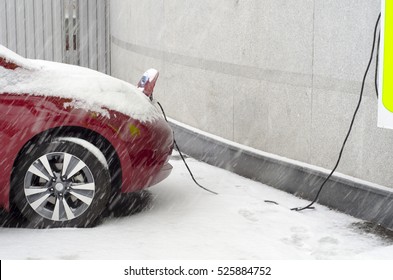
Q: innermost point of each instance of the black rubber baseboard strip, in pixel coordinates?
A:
(358, 199)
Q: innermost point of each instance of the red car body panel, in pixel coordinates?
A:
(143, 148)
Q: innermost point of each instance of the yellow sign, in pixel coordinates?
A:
(387, 78)
(385, 100)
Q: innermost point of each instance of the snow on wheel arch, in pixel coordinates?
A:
(88, 146)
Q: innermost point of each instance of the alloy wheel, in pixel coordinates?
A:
(59, 186)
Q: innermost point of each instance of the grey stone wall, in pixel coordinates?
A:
(282, 76)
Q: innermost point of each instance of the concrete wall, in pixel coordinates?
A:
(277, 75)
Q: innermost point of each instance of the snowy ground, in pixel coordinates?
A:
(185, 222)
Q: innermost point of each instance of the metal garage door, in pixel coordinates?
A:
(71, 31)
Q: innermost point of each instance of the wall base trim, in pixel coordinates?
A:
(355, 197)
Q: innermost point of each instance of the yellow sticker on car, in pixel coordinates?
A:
(134, 130)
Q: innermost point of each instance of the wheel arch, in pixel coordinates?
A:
(89, 135)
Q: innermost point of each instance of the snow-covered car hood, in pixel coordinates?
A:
(90, 90)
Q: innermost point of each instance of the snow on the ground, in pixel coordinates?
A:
(185, 222)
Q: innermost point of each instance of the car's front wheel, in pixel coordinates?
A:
(60, 184)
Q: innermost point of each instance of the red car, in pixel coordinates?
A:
(73, 139)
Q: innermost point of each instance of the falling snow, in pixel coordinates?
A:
(182, 221)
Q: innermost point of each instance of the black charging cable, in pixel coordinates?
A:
(182, 157)
(376, 65)
(309, 206)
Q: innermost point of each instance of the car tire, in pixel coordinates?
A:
(60, 184)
